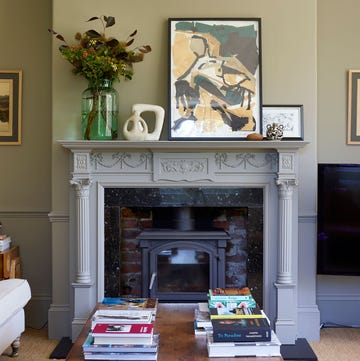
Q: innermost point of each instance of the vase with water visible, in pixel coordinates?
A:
(100, 111)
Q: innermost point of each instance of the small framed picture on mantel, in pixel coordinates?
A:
(291, 117)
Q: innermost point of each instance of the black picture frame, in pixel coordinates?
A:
(10, 107)
(290, 116)
(214, 78)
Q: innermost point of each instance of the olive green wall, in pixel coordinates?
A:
(338, 51)
(290, 76)
(25, 173)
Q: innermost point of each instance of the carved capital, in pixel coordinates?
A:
(286, 187)
(82, 187)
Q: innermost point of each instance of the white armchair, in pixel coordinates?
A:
(14, 295)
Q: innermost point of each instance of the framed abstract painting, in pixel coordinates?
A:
(214, 78)
(10, 107)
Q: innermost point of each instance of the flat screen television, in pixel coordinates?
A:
(338, 238)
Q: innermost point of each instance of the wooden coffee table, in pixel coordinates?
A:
(174, 323)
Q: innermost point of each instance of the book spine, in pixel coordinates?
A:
(232, 303)
(230, 297)
(214, 317)
(243, 335)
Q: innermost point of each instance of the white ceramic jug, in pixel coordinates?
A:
(135, 128)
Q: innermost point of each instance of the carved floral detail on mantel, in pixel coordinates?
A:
(143, 160)
(121, 159)
(183, 166)
(243, 160)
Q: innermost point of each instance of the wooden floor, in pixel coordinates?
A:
(35, 345)
(174, 323)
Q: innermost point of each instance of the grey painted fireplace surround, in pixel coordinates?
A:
(269, 165)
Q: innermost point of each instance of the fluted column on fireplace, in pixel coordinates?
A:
(286, 181)
(285, 187)
(82, 188)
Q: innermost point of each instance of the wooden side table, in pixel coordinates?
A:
(10, 263)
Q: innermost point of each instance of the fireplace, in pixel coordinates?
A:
(269, 165)
(219, 229)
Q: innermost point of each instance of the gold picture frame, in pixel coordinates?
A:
(10, 107)
(353, 126)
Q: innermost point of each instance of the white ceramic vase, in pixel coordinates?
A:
(136, 128)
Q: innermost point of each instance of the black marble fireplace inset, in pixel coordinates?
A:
(235, 213)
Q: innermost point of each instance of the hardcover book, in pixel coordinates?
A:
(120, 356)
(5, 240)
(221, 313)
(123, 303)
(5, 243)
(234, 291)
(136, 333)
(241, 329)
(202, 318)
(89, 346)
(234, 349)
(121, 316)
(201, 331)
(239, 302)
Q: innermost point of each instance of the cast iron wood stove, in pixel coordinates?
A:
(181, 265)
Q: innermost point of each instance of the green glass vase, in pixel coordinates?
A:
(100, 111)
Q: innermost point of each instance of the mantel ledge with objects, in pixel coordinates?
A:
(183, 146)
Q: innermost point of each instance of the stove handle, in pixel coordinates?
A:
(153, 276)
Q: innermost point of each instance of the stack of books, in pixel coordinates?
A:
(124, 351)
(238, 326)
(121, 334)
(121, 316)
(222, 300)
(202, 321)
(5, 242)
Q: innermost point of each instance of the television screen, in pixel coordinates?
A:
(338, 240)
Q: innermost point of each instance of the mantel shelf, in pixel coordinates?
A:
(183, 146)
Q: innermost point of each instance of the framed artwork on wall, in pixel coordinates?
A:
(353, 133)
(10, 107)
(291, 117)
(214, 78)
